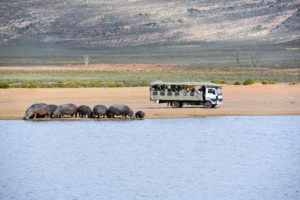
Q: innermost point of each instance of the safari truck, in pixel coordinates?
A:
(178, 94)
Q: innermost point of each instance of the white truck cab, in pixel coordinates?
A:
(214, 95)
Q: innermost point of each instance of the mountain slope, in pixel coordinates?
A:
(116, 23)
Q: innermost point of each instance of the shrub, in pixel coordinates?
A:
(237, 83)
(4, 85)
(248, 82)
(32, 84)
(60, 84)
(264, 82)
(292, 83)
(219, 82)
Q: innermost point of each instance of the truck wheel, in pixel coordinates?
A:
(208, 104)
(175, 104)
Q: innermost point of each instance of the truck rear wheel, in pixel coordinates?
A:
(208, 104)
(176, 104)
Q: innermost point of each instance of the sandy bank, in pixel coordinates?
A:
(279, 99)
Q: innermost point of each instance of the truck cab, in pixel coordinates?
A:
(214, 95)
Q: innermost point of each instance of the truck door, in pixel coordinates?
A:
(210, 94)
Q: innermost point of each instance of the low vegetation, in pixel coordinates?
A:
(264, 82)
(69, 77)
(219, 82)
(292, 83)
(4, 85)
(237, 83)
(248, 82)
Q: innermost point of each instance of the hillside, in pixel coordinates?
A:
(33, 25)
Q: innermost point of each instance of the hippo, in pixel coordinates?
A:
(38, 109)
(84, 110)
(52, 109)
(99, 110)
(65, 109)
(139, 115)
(120, 109)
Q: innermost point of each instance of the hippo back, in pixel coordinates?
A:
(85, 110)
(52, 107)
(100, 109)
(68, 109)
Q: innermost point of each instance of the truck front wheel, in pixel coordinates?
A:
(208, 104)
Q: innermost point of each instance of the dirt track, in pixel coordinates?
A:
(279, 99)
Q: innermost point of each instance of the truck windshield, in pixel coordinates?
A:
(219, 91)
(212, 91)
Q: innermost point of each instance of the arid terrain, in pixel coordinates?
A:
(257, 99)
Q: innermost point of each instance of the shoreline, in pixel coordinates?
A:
(251, 100)
(154, 118)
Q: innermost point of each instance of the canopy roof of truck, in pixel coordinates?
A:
(186, 83)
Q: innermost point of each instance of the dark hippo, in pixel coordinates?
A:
(84, 110)
(36, 110)
(52, 108)
(65, 109)
(99, 110)
(139, 115)
(120, 109)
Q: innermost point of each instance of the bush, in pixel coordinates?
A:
(60, 84)
(264, 82)
(248, 82)
(219, 82)
(237, 83)
(292, 83)
(32, 84)
(4, 85)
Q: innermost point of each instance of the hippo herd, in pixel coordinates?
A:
(42, 110)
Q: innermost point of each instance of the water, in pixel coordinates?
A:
(206, 158)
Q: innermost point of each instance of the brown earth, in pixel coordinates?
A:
(257, 99)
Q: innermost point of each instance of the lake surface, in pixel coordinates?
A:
(230, 158)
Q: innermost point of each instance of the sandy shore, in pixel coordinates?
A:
(279, 99)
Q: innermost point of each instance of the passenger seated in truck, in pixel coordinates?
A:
(199, 91)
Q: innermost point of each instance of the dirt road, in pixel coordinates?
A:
(257, 99)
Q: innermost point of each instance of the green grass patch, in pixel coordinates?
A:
(248, 82)
(265, 82)
(133, 78)
(220, 82)
(4, 85)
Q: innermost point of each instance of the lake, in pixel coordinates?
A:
(209, 158)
